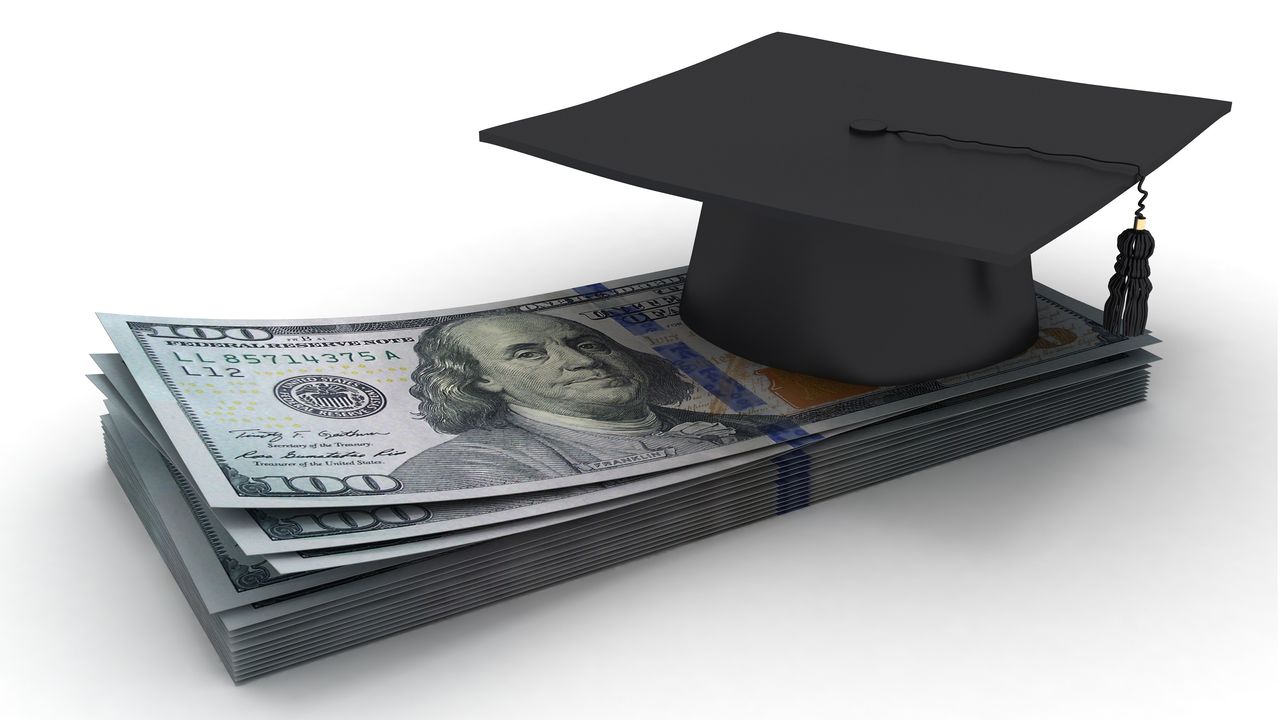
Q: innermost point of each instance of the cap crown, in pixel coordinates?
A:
(765, 127)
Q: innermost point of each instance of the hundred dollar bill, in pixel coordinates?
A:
(579, 387)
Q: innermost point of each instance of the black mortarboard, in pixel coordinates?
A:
(868, 216)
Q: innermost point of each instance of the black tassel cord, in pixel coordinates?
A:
(1125, 312)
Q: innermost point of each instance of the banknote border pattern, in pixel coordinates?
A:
(243, 577)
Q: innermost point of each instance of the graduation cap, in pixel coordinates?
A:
(868, 216)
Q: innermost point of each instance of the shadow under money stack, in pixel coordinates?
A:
(314, 484)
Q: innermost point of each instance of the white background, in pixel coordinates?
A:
(312, 159)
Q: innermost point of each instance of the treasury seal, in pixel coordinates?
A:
(330, 396)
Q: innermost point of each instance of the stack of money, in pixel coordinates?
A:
(314, 484)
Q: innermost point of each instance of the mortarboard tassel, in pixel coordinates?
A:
(1126, 310)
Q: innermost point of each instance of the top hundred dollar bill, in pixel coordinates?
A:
(583, 386)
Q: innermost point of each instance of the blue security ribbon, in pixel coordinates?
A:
(709, 376)
(792, 486)
(594, 289)
(793, 478)
(633, 317)
(793, 474)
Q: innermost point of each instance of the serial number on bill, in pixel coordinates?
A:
(284, 358)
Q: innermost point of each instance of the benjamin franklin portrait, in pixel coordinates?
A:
(533, 396)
